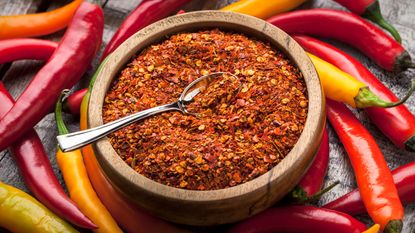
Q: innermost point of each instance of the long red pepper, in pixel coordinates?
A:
(373, 177)
(404, 178)
(397, 123)
(37, 172)
(26, 48)
(66, 66)
(299, 219)
(370, 9)
(309, 187)
(147, 12)
(72, 104)
(348, 28)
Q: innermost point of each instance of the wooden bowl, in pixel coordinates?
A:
(203, 208)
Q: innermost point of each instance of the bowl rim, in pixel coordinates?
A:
(111, 162)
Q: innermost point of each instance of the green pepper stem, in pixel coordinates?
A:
(393, 226)
(410, 144)
(320, 193)
(374, 14)
(366, 98)
(99, 69)
(58, 113)
(300, 196)
(403, 62)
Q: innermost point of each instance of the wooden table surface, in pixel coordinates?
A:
(401, 13)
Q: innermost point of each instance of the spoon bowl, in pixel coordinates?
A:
(76, 140)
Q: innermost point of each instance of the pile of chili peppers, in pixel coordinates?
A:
(94, 204)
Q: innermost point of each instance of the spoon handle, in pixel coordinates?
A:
(76, 140)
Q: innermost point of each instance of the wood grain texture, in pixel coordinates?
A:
(401, 13)
(225, 205)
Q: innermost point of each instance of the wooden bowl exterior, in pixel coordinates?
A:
(203, 208)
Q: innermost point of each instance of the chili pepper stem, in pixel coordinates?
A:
(410, 144)
(58, 113)
(366, 98)
(394, 226)
(403, 61)
(374, 14)
(300, 196)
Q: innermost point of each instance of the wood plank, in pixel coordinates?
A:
(11, 7)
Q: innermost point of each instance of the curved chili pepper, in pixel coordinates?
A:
(350, 29)
(343, 87)
(375, 182)
(38, 174)
(309, 187)
(25, 48)
(21, 213)
(263, 9)
(39, 24)
(76, 179)
(131, 218)
(370, 9)
(66, 66)
(404, 178)
(144, 14)
(299, 219)
(72, 104)
(398, 123)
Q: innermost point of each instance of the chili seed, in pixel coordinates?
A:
(249, 132)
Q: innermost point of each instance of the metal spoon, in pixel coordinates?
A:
(76, 140)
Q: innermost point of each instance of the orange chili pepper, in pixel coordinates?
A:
(375, 181)
(373, 229)
(39, 24)
(131, 218)
(79, 186)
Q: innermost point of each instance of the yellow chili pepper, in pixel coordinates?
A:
(374, 229)
(130, 218)
(263, 9)
(21, 213)
(343, 87)
(80, 188)
(39, 24)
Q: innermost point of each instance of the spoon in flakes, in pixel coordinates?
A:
(216, 87)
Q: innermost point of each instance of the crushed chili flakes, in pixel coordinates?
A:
(238, 140)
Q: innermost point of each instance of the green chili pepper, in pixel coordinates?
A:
(21, 213)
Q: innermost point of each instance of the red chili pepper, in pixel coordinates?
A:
(373, 177)
(72, 104)
(299, 219)
(66, 66)
(350, 29)
(404, 178)
(370, 9)
(397, 123)
(180, 12)
(25, 48)
(145, 13)
(309, 187)
(37, 172)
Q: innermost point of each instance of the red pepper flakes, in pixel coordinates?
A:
(236, 140)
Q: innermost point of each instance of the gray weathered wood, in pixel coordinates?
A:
(399, 12)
